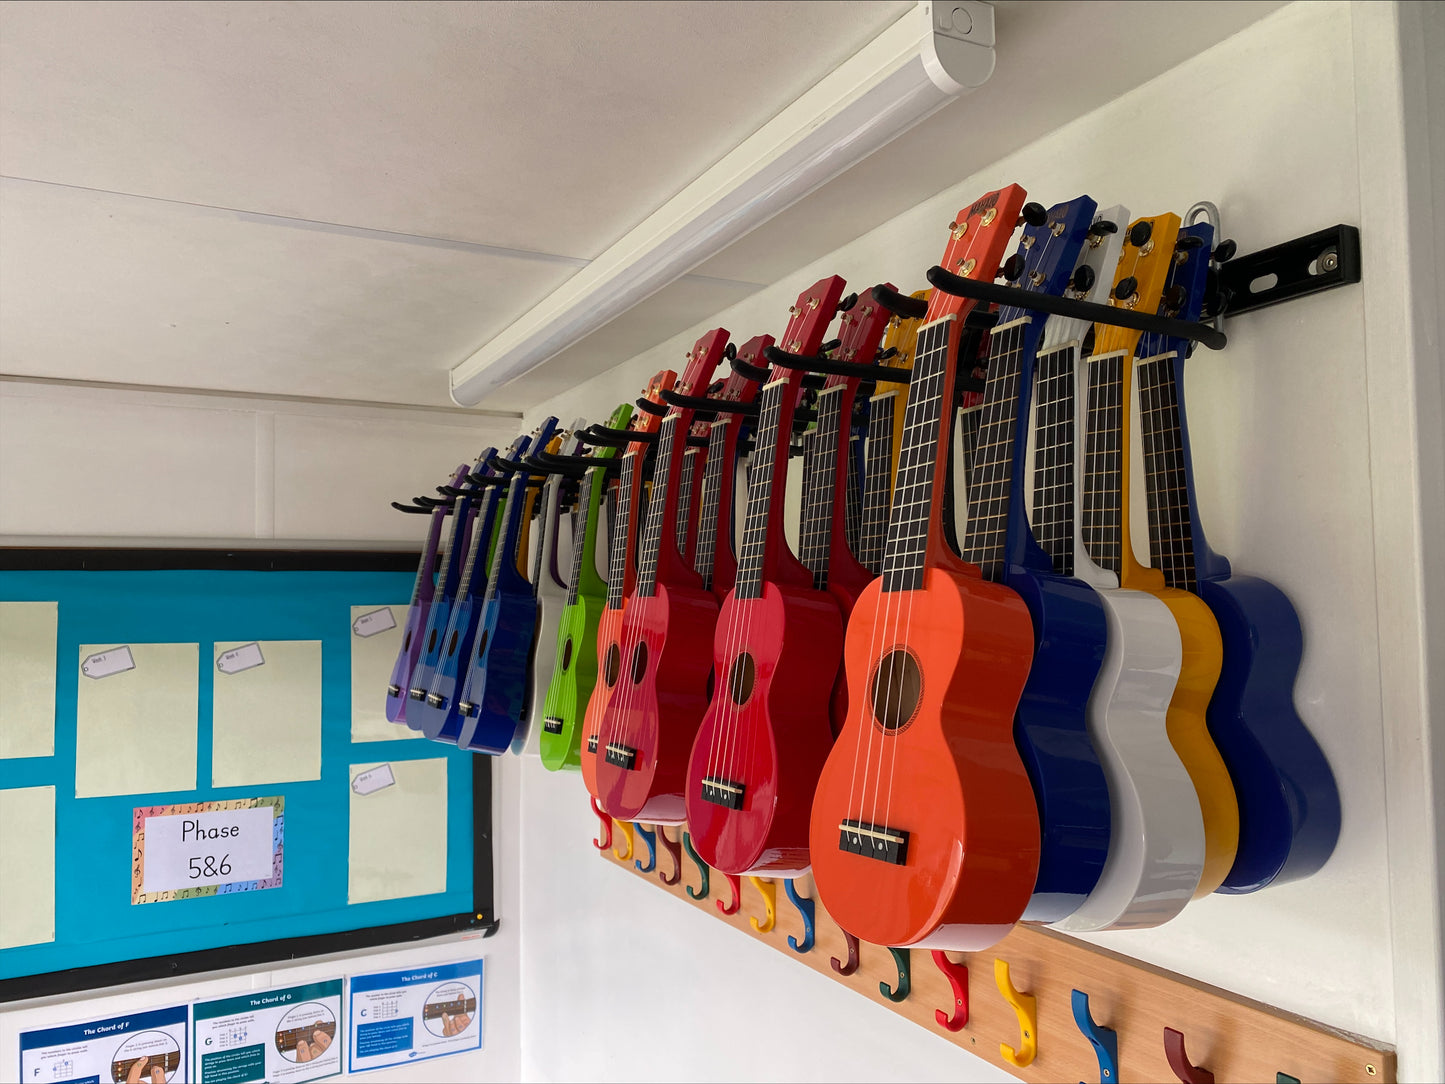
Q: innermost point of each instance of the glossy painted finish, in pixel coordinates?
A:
(951, 778)
(422, 594)
(609, 645)
(789, 631)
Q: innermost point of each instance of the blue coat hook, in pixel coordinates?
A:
(704, 872)
(650, 838)
(1105, 1040)
(903, 959)
(805, 908)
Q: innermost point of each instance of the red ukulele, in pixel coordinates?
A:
(775, 655)
(657, 703)
(621, 543)
(924, 827)
(823, 544)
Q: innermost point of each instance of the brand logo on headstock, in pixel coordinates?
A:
(984, 204)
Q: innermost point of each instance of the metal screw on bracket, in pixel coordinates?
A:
(1329, 260)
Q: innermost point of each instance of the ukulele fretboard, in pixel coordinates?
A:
(877, 480)
(620, 536)
(1053, 518)
(990, 481)
(1166, 474)
(1102, 523)
(584, 525)
(752, 554)
(820, 475)
(652, 539)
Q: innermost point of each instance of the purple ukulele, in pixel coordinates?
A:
(422, 593)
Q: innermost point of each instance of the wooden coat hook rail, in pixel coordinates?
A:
(1057, 1008)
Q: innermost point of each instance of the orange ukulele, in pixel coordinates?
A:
(924, 828)
(621, 569)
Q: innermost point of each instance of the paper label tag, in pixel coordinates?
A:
(115, 661)
(195, 850)
(245, 657)
(374, 622)
(373, 780)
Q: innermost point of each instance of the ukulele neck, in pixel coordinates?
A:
(827, 459)
(1053, 519)
(620, 567)
(764, 547)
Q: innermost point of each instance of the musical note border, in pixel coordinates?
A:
(278, 848)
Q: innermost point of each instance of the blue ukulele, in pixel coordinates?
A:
(1050, 726)
(456, 543)
(1289, 806)
(494, 698)
(443, 666)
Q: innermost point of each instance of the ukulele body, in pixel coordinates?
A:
(948, 774)
(413, 634)
(551, 603)
(767, 730)
(1051, 731)
(496, 684)
(432, 649)
(1156, 851)
(609, 670)
(437, 716)
(574, 674)
(657, 703)
(1289, 805)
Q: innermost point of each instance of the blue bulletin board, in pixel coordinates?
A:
(300, 609)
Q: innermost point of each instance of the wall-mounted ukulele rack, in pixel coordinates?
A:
(1040, 1005)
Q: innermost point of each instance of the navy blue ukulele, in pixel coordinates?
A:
(437, 714)
(1050, 726)
(1289, 807)
(494, 698)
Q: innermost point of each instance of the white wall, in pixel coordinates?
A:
(1274, 126)
(117, 466)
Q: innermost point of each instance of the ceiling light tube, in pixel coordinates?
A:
(933, 53)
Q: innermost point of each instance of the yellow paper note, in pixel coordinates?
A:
(27, 866)
(265, 712)
(136, 722)
(27, 678)
(375, 640)
(398, 830)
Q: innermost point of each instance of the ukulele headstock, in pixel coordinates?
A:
(860, 330)
(1049, 250)
(702, 361)
(643, 421)
(621, 418)
(808, 322)
(1144, 263)
(1093, 276)
(978, 236)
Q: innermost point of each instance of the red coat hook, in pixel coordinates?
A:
(957, 975)
(605, 840)
(1179, 1061)
(736, 884)
(852, 964)
(674, 848)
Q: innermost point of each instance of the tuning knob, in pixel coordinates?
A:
(1083, 279)
(847, 303)
(1188, 241)
(730, 351)
(1013, 267)
(1126, 288)
(1034, 214)
(1103, 227)
(1224, 251)
(1140, 232)
(1175, 298)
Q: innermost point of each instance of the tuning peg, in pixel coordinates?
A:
(1103, 227)
(1174, 298)
(730, 351)
(1188, 241)
(1140, 232)
(1013, 267)
(829, 346)
(1224, 251)
(886, 355)
(847, 303)
(1034, 214)
(1083, 279)
(1126, 288)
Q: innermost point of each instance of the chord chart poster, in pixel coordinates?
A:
(285, 1035)
(144, 1048)
(401, 1016)
(220, 683)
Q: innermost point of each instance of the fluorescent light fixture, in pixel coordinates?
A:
(933, 53)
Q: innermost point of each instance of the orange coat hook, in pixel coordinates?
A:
(604, 836)
(1026, 1008)
(626, 827)
(769, 892)
(957, 976)
(736, 885)
(1179, 1061)
(674, 848)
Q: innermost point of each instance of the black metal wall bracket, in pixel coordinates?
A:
(1298, 268)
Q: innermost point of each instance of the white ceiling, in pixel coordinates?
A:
(345, 200)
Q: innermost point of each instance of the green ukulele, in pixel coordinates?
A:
(575, 670)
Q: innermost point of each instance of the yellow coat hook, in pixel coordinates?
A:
(769, 891)
(1026, 1007)
(626, 827)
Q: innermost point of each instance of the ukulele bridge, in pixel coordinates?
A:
(623, 756)
(553, 725)
(592, 743)
(417, 694)
(723, 792)
(873, 841)
(393, 690)
(466, 709)
(436, 700)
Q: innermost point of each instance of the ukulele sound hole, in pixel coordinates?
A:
(639, 663)
(897, 688)
(452, 644)
(431, 642)
(740, 679)
(567, 653)
(613, 666)
(482, 644)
